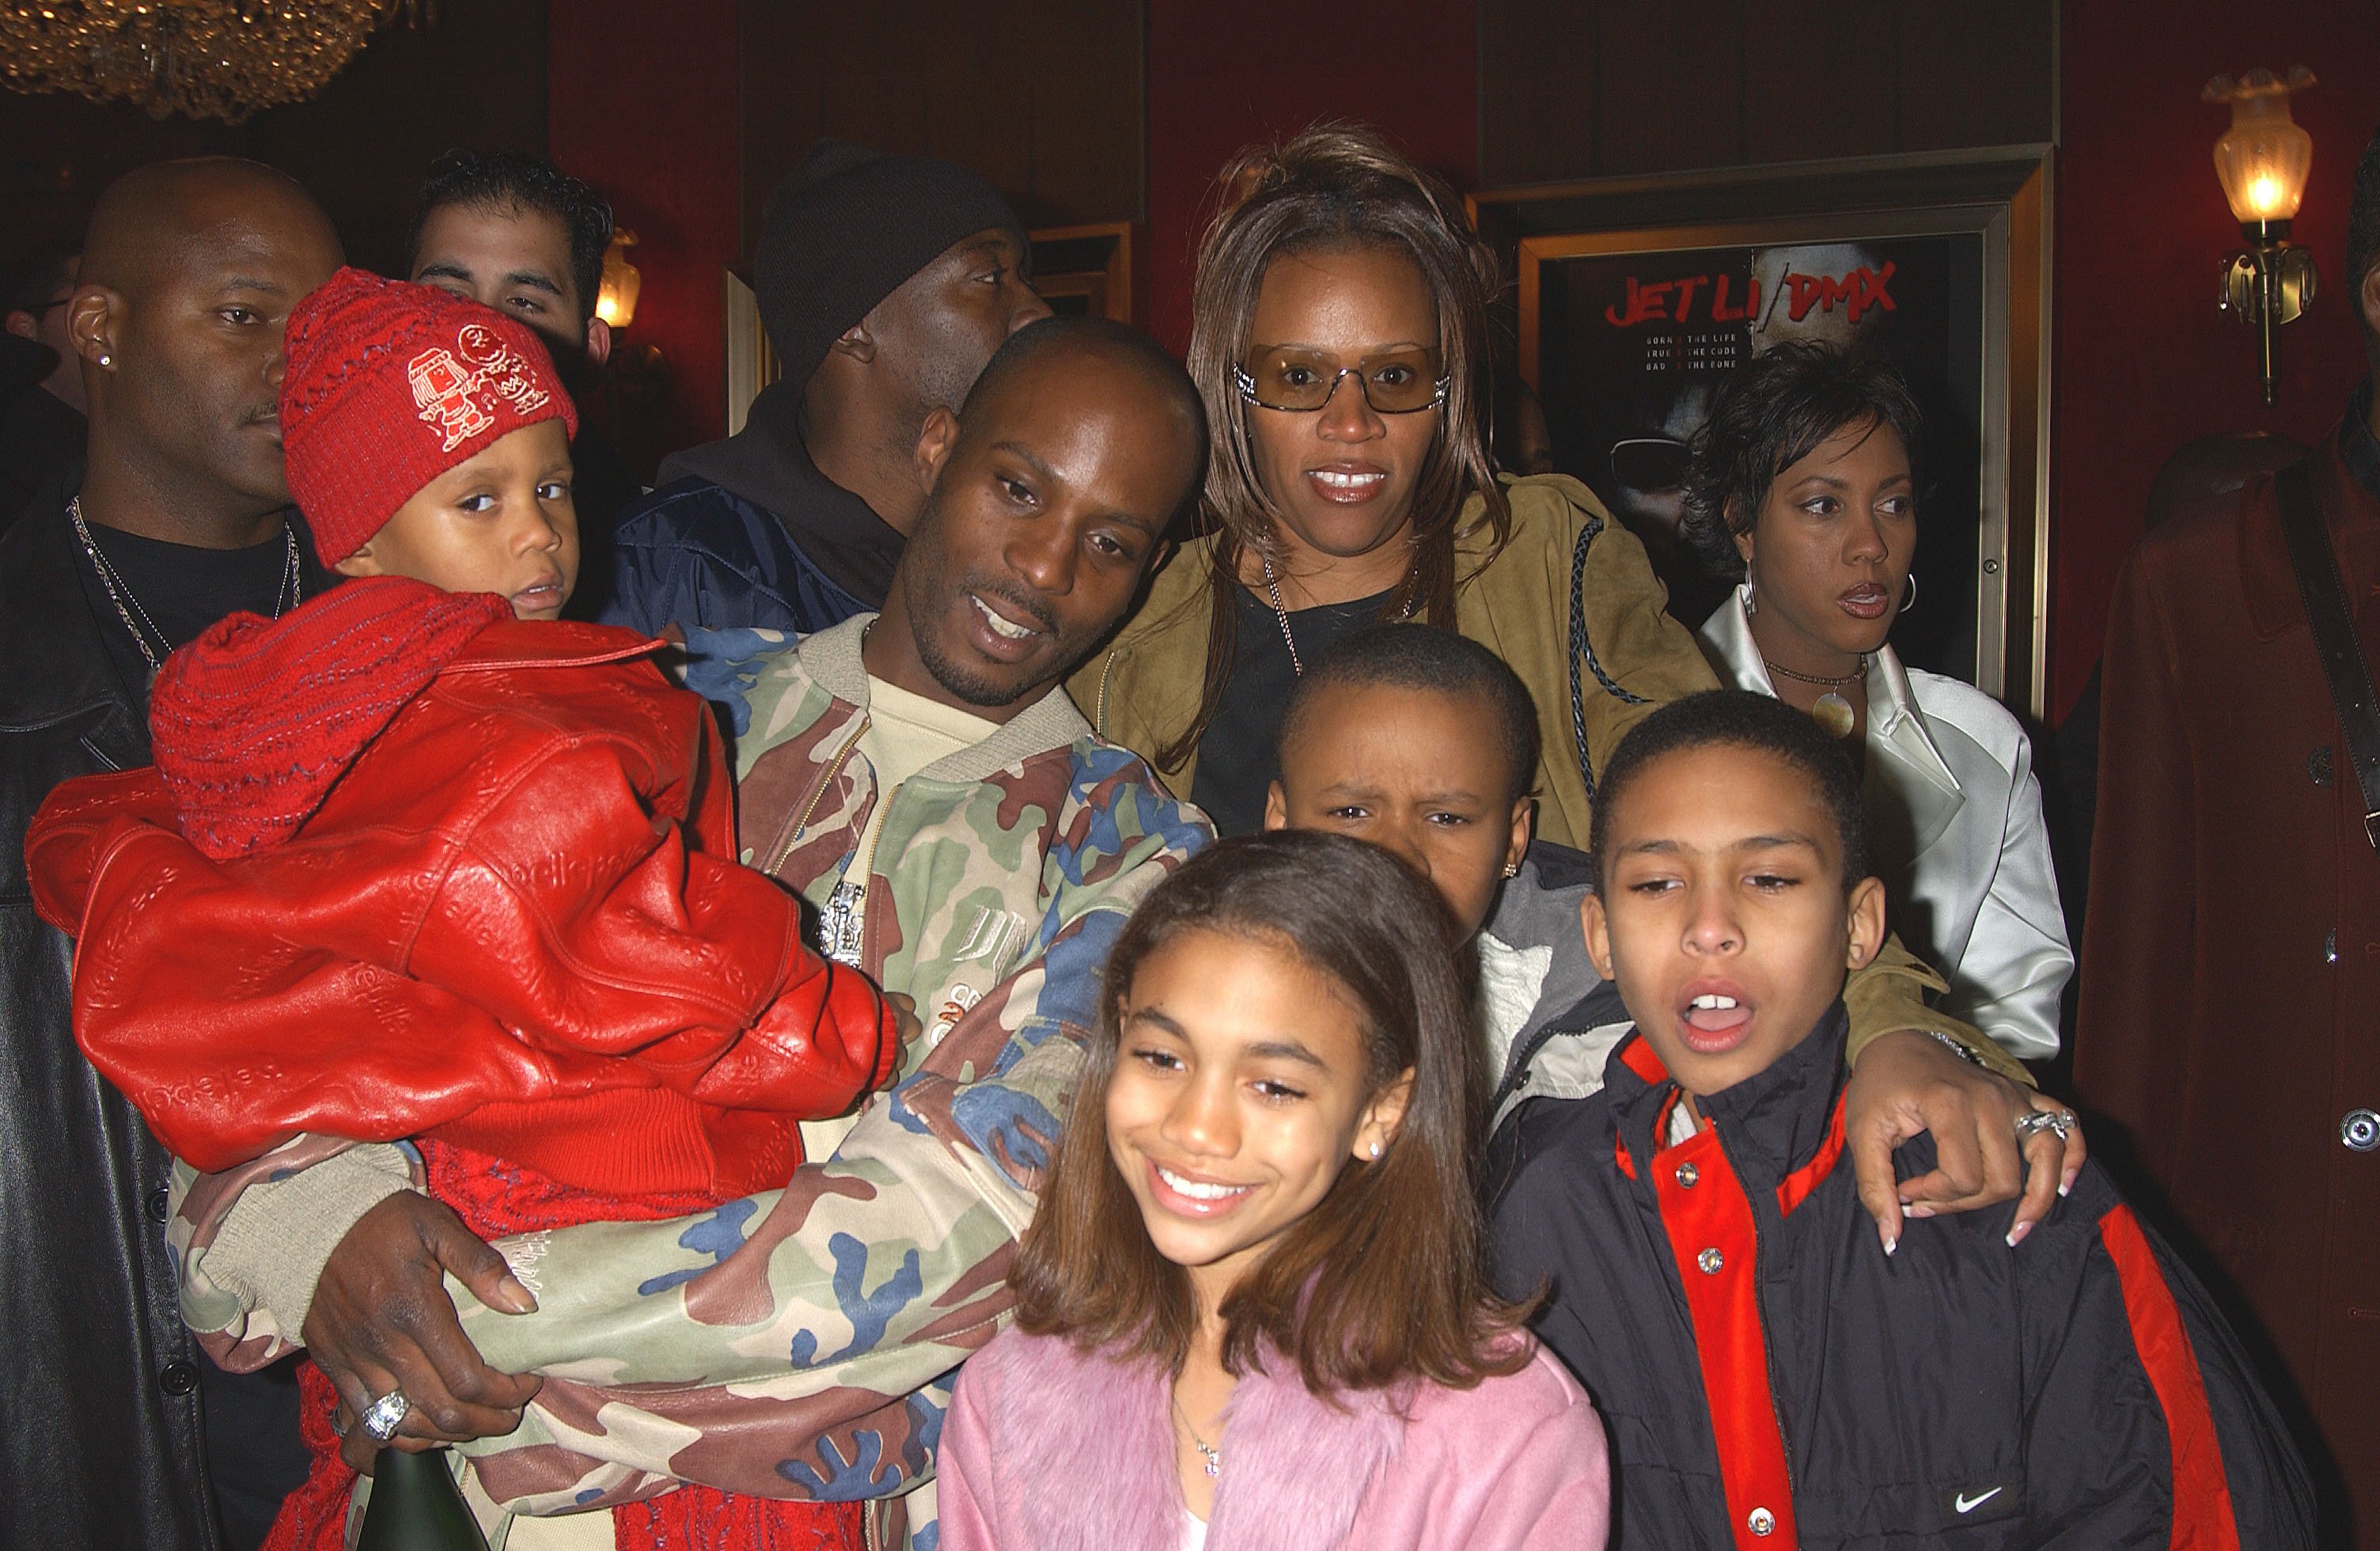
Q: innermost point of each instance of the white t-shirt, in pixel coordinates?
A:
(906, 733)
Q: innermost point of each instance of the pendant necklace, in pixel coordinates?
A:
(1214, 1457)
(1272, 591)
(128, 607)
(1831, 711)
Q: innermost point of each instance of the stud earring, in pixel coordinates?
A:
(1512, 869)
(1375, 1152)
(108, 360)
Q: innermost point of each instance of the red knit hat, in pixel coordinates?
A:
(388, 385)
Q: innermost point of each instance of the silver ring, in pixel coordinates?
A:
(386, 1415)
(2038, 1121)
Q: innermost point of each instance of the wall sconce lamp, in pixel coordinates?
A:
(2262, 160)
(615, 299)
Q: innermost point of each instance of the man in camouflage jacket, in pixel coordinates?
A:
(801, 1342)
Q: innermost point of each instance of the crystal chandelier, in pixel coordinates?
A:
(204, 58)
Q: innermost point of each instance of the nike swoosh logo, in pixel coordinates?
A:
(1968, 1504)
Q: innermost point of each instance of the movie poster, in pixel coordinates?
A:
(1631, 347)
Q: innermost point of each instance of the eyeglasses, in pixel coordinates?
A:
(1649, 463)
(1394, 383)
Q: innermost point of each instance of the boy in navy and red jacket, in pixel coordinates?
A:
(1771, 1375)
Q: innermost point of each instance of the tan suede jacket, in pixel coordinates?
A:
(1568, 562)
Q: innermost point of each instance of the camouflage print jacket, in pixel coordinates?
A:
(797, 1344)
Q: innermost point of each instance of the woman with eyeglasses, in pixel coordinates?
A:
(1339, 336)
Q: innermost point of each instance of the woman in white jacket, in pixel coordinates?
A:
(1800, 480)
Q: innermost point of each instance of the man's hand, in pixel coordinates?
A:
(1908, 1081)
(381, 1320)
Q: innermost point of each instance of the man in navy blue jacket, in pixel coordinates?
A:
(1771, 1375)
(885, 284)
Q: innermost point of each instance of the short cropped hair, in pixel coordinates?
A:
(515, 180)
(1102, 336)
(1737, 719)
(2363, 235)
(1423, 657)
(1776, 410)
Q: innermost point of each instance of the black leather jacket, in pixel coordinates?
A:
(100, 1432)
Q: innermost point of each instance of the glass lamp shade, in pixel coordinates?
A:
(615, 299)
(2263, 157)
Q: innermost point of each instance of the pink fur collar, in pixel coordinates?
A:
(1086, 1444)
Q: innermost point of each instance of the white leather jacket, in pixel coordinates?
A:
(1956, 832)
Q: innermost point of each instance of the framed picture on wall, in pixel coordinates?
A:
(1086, 270)
(1637, 298)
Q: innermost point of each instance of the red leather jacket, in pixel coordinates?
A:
(517, 923)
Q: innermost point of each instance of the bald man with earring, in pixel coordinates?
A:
(120, 1434)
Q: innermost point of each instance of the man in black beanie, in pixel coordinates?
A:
(885, 282)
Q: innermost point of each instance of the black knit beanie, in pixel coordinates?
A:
(848, 228)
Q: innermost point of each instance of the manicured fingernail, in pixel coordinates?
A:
(1890, 1242)
(2016, 1235)
(2065, 1187)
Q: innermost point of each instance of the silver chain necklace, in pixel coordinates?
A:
(1272, 591)
(1297, 669)
(126, 606)
(1213, 1456)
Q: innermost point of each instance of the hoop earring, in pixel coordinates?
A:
(1909, 601)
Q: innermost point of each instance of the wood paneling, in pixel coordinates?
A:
(1976, 73)
(1541, 120)
(1043, 97)
(1801, 104)
(1581, 89)
(1669, 84)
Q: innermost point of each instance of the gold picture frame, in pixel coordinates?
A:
(1988, 211)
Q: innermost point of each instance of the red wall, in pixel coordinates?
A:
(1224, 73)
(1221, 73)
(643, 103)
(2144, 362)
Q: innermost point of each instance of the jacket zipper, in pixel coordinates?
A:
(793, 837)
(1768, 1346)
(93, 750)
(868, 870)
(1107, 672)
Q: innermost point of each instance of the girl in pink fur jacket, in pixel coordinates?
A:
(1250, 1312)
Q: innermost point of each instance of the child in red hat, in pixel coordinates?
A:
(416, 862)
